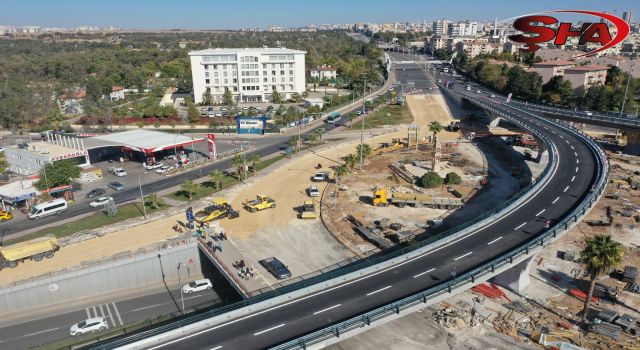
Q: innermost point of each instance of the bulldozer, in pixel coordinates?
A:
(219, 209)
(260, 203)
(382, 198)
(308, 210)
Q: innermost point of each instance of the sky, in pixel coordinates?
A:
(226, 14)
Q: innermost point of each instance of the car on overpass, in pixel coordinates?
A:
(89, 325)
(276, 268)
(197, 286)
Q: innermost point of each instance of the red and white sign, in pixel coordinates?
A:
(211, 140)
(83, 153)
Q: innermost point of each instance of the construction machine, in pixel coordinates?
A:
(260, 203)
(220, 208)
(308, 210)
(382, 198)
(35, 249)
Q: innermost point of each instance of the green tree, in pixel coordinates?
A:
(599, 256)
(366, 151)
(341, 171)
(55, 118)
(558, 91)
(192, 114)
(452, 178)
(94, 92)
(239, 162)
(154, 201)
(296, 97)
(431, 179)
(435, 128)
(189, 187)
(254, 159)
(110, 208)
(276, 97)
(227, 98)
(350, 160)
(216, 177)
(207, 99)
(320, 132)
(3, 163)
(58, 173)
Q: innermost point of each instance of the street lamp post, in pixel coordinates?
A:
(144, 209)
(626, 89)
(364, 100)
(180, 285)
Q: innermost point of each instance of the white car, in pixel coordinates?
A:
(313, 191)
(492, 96)
(320, 176)
(153, 166)
(100, 202)
(478, 92)
(163, 169)
(119, 172)
(89, 326)
(197, 286)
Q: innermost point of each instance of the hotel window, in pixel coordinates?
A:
(235, 89)
(282, 87)
(265, 88)
(216, 81)
(291, 79)
(234, 73)
(264, 72)
(226, 81)
(281, 65)
(264, 66)
(215, 74)
(273, 72)
(225, 74)
(290, 71)
(290, 65)
(290, 87)
(265, 80)
(206, 66)
(215, 66)
(206, 81)
(273, 80)
(282, 72)
(282, 79)
(206, 74)
(235, 80)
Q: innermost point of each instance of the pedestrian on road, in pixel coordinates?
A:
(454, 273)
(220, 246)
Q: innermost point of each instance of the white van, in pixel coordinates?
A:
(49, 208)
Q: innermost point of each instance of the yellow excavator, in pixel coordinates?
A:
(220, 208)
(260, 203)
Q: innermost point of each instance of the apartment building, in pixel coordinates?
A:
(251, 74)
(440, 27)
(551, 69)
(324, 73)
(584, 77)
(474, 48)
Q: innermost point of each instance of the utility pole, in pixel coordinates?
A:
(144, 209)
(626, 89)
(364, 102)
(180, 285)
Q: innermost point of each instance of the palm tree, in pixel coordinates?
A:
(154, 201)
(341, 171)
(55, 118)
(254, 158)
(320, 132)
(435, 128)
(599, 256)
(238, 162)
(190, 188)
(216, 177)
(366, 150)
(350, 160)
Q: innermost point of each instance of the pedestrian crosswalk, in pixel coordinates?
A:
(109, 311)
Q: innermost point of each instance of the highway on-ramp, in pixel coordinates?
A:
(571, 179)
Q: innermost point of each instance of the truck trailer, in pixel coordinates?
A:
(35, 249)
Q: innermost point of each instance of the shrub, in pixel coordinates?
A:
(430, 179)
(452, 179)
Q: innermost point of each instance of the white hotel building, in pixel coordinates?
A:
(252, 75)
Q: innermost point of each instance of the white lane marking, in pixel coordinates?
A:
(573, 178)
(88, 314)
(270, 329)
(462, 256)
(45, 331)
(567, 141)
(327, 309)
(572, 147)
(115, 309)
(555, 200)
(553, 131)
(554, 171)
(566, 189)
(145, 307)
(217, 347)
(110, 315)
(423, 273)
(576, 169)
(378, 291)
(575, 154)
(562, 137)
(541, 211)
(519, 227)
(577, 161)
(495, 240)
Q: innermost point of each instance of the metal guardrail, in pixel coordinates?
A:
(469, 277)
(365, 263)
(608, 118)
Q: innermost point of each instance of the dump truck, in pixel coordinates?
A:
(308, 210)
(220, 208)
(260, 203)
(383, 197)
(525, 140)
(35, 249)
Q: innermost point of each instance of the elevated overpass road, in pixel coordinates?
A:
(570, 181)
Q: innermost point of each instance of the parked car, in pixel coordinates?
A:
(89, 325)
(118, 172)
(197, 286)
(276, 268)
(115, 185)
(218, 114)
(95, 193)
(153, 166)
(313, 191)
(478, 92)
(5, 216)
(163, 169)
(100, 202)
(320, 176)
(492, 95)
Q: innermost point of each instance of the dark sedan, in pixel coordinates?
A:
(276, 268)
(95, 193)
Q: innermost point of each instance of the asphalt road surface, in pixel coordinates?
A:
(570, 180)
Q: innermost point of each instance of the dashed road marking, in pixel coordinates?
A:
(572, 147)
(519, 227)
(495, 240)
(462, 256)
(270, 329)
(423, 273)
(541, 211)
(555, 200)
(566, 189)
(378, 291)
(45, 331)
(576, 169)
(573, 178)
(327, 309)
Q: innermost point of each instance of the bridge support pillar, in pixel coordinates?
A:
(633, 142)
(517, 277)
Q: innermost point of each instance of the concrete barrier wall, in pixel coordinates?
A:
(104, 279)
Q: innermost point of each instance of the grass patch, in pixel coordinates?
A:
(387, 115)
(99, 219)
